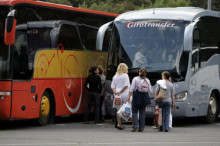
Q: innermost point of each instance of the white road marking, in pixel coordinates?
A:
(116, 143)
(60, 124)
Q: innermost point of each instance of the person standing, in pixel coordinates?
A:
(140, 99)
(94, 86)
(102, 95)
(168, 101)
(120, 87)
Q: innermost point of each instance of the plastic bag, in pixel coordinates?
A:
(117, 102)
(171, 120)
(156, 115)
(125, 111)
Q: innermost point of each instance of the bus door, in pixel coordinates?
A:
(20, 85)
(71, 80)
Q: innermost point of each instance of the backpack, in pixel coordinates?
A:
(144, 87)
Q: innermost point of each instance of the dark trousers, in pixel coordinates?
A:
(166, 107)
(93, 98)
(100, 106)
(138, 123)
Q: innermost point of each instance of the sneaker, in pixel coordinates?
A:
(166, 131)
(155, 127)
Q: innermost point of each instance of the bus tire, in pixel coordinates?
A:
(212, 112)
(45, 109)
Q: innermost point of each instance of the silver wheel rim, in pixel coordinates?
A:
(212, 107)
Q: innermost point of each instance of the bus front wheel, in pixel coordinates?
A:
(212, 109)
(45, 109)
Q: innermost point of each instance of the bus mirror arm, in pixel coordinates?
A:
(10, 27)
(101, 35)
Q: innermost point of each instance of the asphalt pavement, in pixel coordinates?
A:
(71, 132)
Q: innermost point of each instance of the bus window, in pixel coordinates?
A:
(69, 38)
(88, 36)
(4, 50)
(106, 40)
(27, 42)
(20, 55)
(206, 38)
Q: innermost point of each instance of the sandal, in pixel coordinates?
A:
(121, 128)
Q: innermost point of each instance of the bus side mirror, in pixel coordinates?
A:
(101, 35)
(188, 37)
(10, 27)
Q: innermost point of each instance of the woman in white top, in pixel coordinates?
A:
(120, 86)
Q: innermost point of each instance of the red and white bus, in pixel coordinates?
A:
(45, 52)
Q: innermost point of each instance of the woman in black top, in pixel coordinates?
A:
(94, 86)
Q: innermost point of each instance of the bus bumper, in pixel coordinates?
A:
(177, 113)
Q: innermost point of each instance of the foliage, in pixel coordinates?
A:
(171, 3)
(120, 6)
(65, 2)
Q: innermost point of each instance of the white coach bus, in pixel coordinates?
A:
(184, 41)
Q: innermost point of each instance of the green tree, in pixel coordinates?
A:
(120, 6)
(116, 6)
(171, 3)
(203, 4)
(65, 2)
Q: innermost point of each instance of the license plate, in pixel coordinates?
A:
(148, 109)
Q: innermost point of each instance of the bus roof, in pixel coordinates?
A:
(179, 13)
(14, 2)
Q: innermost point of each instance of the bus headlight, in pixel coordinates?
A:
(181, 97)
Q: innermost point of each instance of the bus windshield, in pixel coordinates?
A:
(4, 50)
(27, 42)
(154, 44)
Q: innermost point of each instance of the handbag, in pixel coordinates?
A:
(140, 99)
(160, 96)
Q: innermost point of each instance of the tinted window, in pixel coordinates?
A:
(88, 36)
(4, 50)
(20, 65)
(106, 40)
(27, 42)
(68, 37)
(206, 40)
(155, 44)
